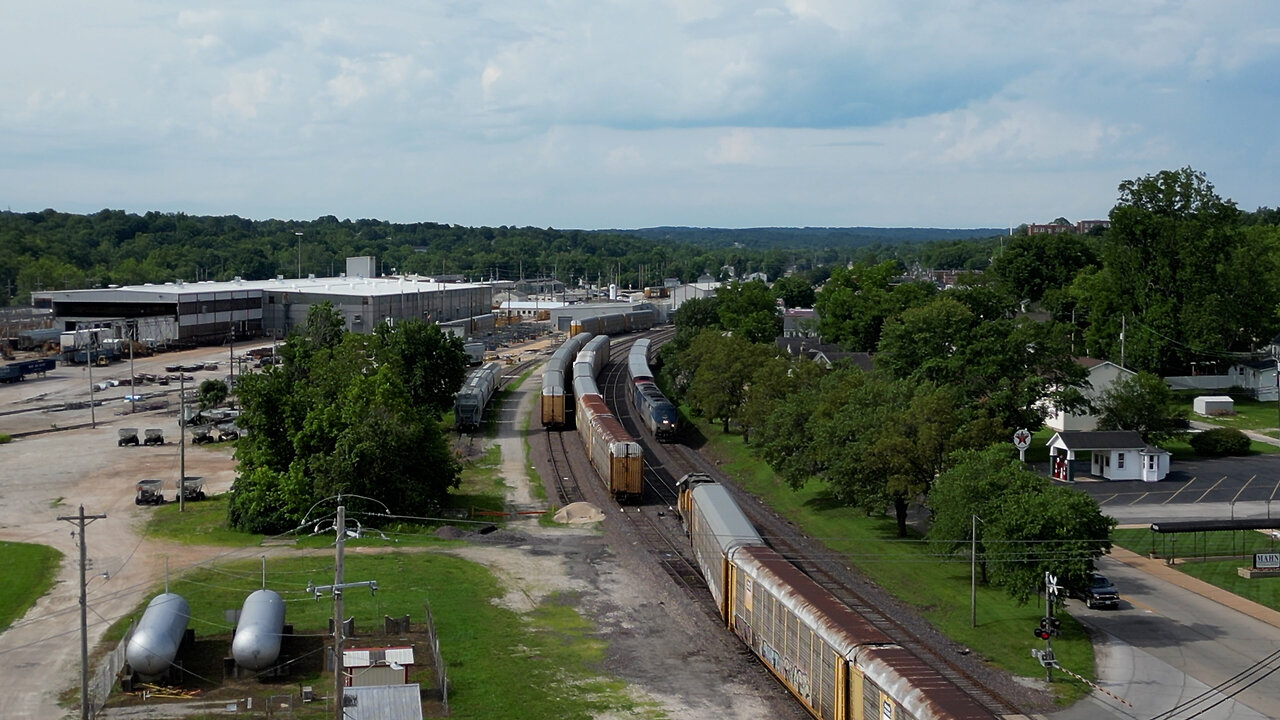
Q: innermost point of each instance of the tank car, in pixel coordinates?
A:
(256, 644)
(155, 641)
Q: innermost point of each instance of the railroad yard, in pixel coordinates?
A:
(663, 639)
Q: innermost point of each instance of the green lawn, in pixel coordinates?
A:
(939, 587)
(1193, 552)
(1250, 414)
(540, 665)
(29, 571)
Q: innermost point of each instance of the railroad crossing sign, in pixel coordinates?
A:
(1051, 585)
(1022, 441)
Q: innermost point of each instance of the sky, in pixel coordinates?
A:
(599, 114)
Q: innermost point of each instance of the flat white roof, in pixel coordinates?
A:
(358, 286)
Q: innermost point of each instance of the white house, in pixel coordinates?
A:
(1113, 455)
(1102, 375)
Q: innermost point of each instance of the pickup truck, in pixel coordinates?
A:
(1099, 593)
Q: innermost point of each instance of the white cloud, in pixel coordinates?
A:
(246, 92)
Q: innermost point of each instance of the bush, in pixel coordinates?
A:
(1219, 442)
(4, 438)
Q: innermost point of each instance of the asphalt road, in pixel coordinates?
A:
(1166, 649)
(1171, 652)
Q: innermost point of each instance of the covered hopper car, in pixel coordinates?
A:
(476, 392)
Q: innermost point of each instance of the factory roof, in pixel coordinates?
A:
(358, 286)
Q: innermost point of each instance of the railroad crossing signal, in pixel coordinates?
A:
(1045, 657)
(1051, 585)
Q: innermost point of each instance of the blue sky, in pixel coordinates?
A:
(598, 114)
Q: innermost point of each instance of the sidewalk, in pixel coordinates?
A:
(1157, 568)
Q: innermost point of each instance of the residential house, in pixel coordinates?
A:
(1102, 375)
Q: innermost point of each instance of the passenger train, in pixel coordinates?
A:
(476, 392)
(833, 660)
(657, 413)
(557, 387)
(613, 452)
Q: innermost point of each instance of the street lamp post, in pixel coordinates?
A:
(299, 234)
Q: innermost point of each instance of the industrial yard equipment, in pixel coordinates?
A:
(228, 431)
(154, 436)
(193, 488)
(128, 436)
(149, 492)
(201, 435)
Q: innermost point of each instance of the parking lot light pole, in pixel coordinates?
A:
(182, 437)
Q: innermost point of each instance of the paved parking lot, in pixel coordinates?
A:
(1195, 489)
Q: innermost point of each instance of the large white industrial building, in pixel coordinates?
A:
(181, 313)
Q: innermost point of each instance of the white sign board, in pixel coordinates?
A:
(1266, 560)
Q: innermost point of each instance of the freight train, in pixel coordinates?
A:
(615, 323)
(833, 660)
(557, 388)
(656, 411)
(613, 452)
(476, 392)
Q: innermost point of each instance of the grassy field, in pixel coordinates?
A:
(545, 662)
(29, 571)
(938, 587)
(1249, 414)
(1212, 557)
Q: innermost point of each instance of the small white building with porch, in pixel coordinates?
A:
(1113, 455)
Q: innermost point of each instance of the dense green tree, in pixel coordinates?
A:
(212, 393)
(1180, 280)
(855, 302)
(1030, 265)
(972, 487)
(1044, 528)
(1004, 368)
(877, 442)
(794, 291)
(749, 310)
(431, 363)
(1144, 403)
(345, 414)
(721, 368)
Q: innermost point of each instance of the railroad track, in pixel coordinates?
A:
(567, 488)
(826, 569)
(646, 525)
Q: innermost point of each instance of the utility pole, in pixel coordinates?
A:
(88, 358)
(182, 438)
(81, 521)
(340, 525)
(130, 330)
(1123, 327)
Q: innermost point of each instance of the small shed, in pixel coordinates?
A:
(1211, 405)
(383, 702)
(1114, 455)
(377, 666)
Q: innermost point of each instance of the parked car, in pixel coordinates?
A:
(1099, 593)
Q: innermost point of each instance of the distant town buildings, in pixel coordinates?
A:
(1080, 228)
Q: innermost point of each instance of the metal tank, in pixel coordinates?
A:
(155, 642)
(257, 641)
